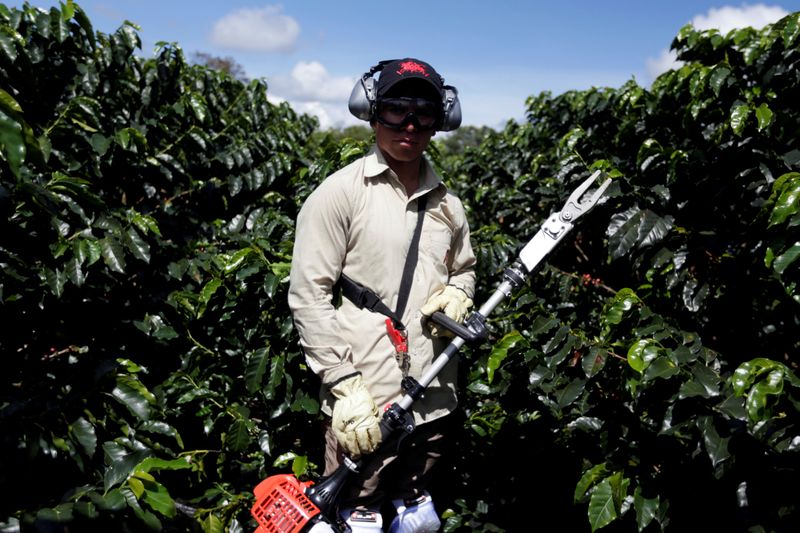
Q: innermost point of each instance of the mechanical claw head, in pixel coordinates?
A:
(575, 206)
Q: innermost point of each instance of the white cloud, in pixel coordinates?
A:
(311, 89)
(724, 19)
(665, 61)
(330, 115)
(727, 18)
(310, 81)
(264, 29)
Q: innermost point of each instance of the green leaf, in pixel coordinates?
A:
(791, 30)
(716, 446)
(83, 21)
(693, 297)
(158, 498)
(283, 459)
(120, 463)
(588, 480)
(739, 116)
(112, 500)
(642, 353)
(206, 293)
(150, 520)
(113, 254)
(136, 486)
(280, 268)
(60, 514)
(305, 403)
(787, 190)
(162, 428)
(704, 383)
(133, 395)
(137, 245)
(556, 341)
(276, 375)
(300, 465)
(757, 403)
(238, 437)
(623, 231)
(748, 372)
(145, 223)
(570, 393)
(792, 158)
(85, 112)
(91, 250)
(212, 524)
(12, 142)
(500, 352)
(100, 143)
(8, 103)
(661, 367)
(594, 361)
(75, 272)
(764, 115)
(56, 279)
(8, 43)
(646, 508)
(83, 432)
(237, 259)
(718, 77)
(636, 228)
(601, 505)
(783, 261)
(58, 26)
(619, 306)
(257, 363)
(198, 105)
(271, 283)
(154, 464)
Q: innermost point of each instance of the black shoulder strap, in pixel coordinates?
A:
(411, 262)
(365, 298)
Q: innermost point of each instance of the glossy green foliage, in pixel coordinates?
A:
(654, 362)
(644, 379)
(152, 375)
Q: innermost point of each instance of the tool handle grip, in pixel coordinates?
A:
(456, 328)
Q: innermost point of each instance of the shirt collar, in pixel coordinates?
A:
(375, 165)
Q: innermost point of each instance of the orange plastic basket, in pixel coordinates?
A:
(281, 505)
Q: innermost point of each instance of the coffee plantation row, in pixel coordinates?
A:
(645, 378)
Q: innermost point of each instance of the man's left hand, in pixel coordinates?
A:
(454, 302)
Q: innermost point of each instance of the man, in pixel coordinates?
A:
(359, 225)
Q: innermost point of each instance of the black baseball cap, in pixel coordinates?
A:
(414, 73)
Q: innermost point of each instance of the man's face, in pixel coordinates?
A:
(405, 145)
(406, 142)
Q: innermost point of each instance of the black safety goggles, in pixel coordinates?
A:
(397, 113)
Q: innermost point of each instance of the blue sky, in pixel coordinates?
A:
(311, 52)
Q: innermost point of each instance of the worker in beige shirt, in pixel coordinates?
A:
(360, 223)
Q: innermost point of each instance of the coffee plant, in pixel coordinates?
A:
(645, 378)
(651, 365)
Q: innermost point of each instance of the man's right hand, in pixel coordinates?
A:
(355, 417)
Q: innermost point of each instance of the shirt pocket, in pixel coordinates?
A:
(437, 245)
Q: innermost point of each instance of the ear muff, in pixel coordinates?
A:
(364, 94)
(451, 116)
(362, 98)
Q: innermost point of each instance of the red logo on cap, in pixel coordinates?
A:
(407, 67)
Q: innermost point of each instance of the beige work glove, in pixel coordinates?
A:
(453, 301)
(355, 417)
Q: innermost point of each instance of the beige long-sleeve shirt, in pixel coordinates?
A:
(359, 221)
